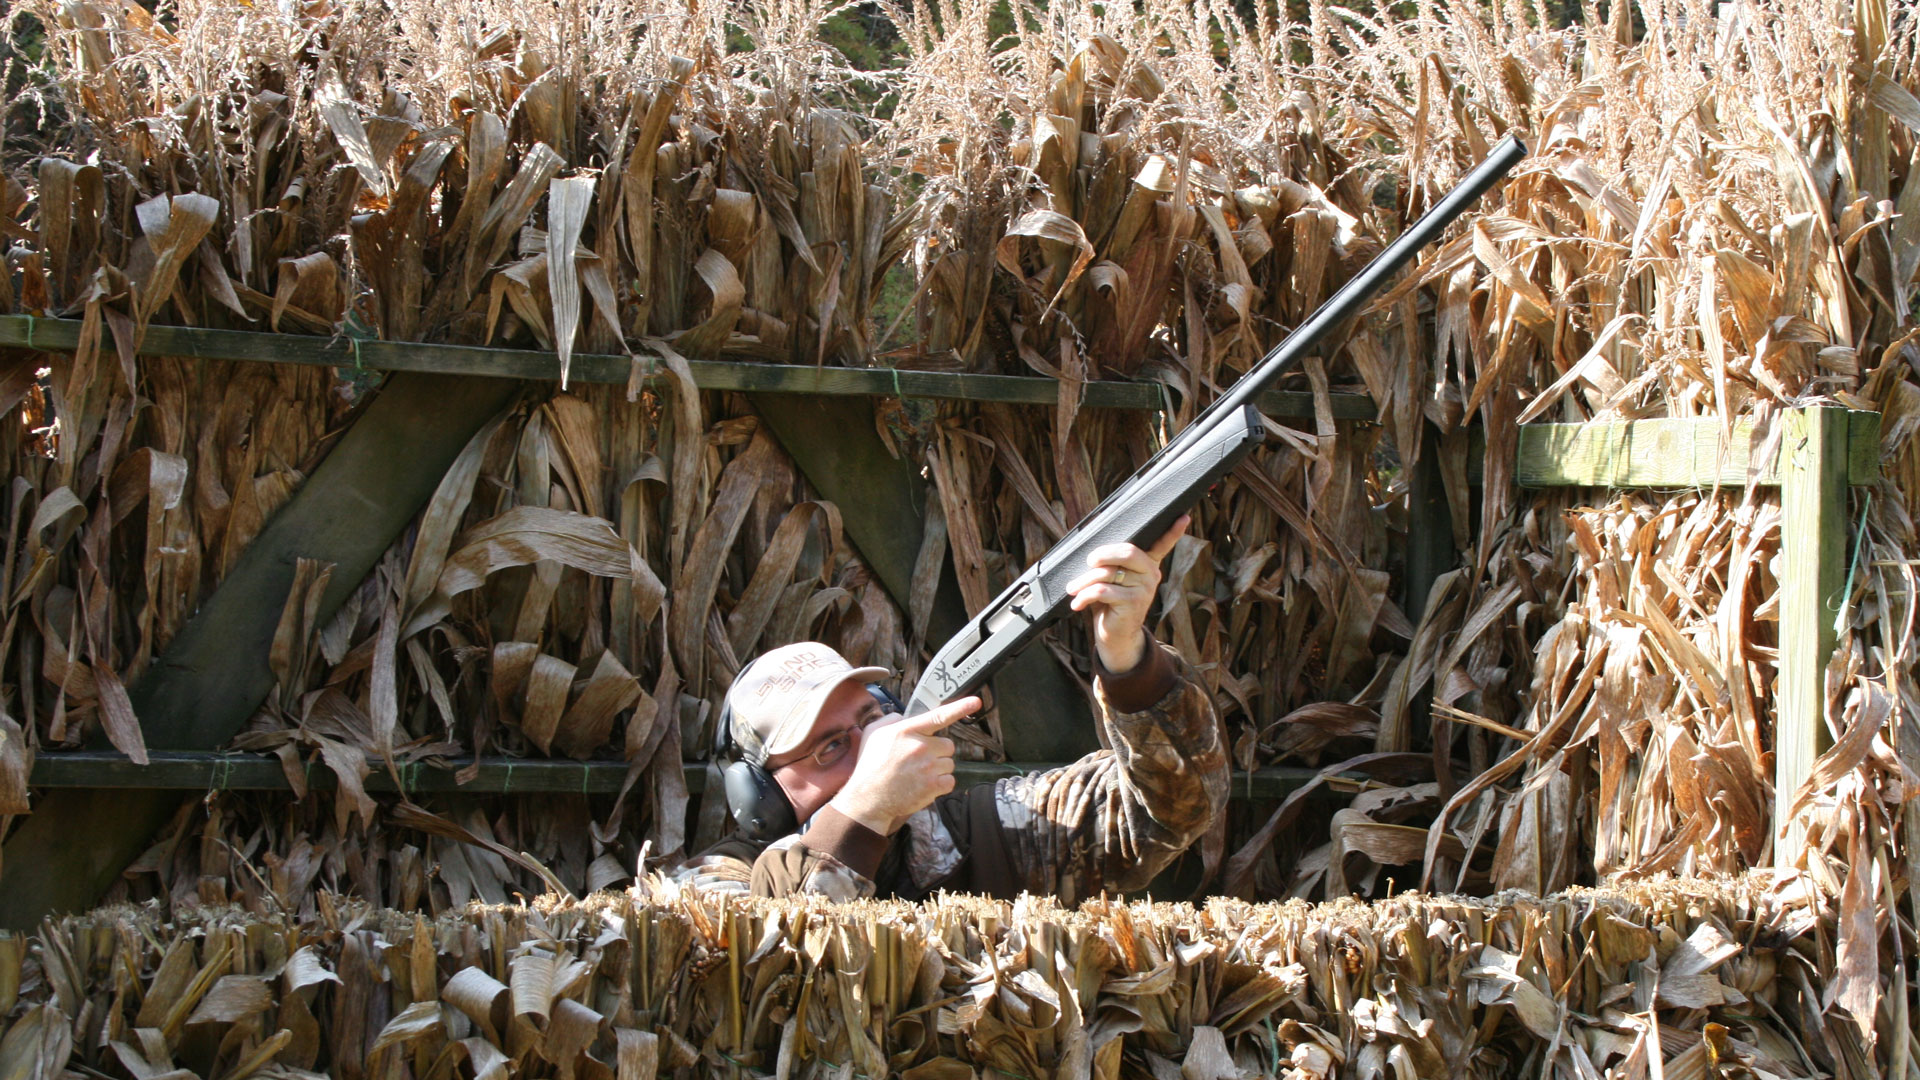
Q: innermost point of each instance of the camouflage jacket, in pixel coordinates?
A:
(1110, 821)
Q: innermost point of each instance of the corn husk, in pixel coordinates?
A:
(1719, 221)
(1689, 977)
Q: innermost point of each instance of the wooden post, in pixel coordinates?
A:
(1430, 553)
(1430, 550)
(1813, 548)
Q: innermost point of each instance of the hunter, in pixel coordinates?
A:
(873, 810)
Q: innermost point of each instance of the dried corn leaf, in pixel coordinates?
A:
(233, 998)
(693, 594)
(418, 1020)
(1047, 226)
(16, 761)
(342, 116)
(173, 227)
(567, 204)
(519, 537)
(480, 996)
(610, 689)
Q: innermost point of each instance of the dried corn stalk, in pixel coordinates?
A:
(1720, 219)
(1690, 978)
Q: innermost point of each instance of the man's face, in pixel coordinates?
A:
(815, 772)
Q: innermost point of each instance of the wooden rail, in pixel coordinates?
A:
(63, 335)
(182, 771)
(1676, 453)
(1820, 454)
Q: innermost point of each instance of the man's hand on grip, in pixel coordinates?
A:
(905, 764)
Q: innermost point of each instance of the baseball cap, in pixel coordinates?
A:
(776, 699)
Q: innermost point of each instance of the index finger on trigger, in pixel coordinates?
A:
(929, 722)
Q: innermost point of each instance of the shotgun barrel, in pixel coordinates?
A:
(1141, 510)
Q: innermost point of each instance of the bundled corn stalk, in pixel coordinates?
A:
(1686, 978)
(1676, 248)
(450, 196)
(1100, 196)
(1730, 243)
(701, 208)
(515, 569)
(128, 506)
(1721, 224)
(1151, 236)
(262, 854)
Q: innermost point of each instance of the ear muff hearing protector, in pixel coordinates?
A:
(761, 810)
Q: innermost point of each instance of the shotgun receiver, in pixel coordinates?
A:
(1141, 510)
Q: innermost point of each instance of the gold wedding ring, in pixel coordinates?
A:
(1119, 577)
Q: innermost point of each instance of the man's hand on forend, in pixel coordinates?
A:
(1119, 588)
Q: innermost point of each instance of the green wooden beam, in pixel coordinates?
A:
(882, 500)
(172, 771)
(1815, 465)
(1823, 452)
(58, 335)
(72, 847)
(212, 676)
(1671, 453)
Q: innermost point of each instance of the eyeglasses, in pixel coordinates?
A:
(834, 748)
(837, 747)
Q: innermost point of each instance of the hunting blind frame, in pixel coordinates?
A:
(197, 697)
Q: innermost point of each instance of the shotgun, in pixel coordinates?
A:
(1141, 510)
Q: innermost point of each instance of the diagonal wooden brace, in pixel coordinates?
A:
(214, 674)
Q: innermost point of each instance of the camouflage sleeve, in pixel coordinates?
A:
(836, 857)
(1117, 817)
(713, 872)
